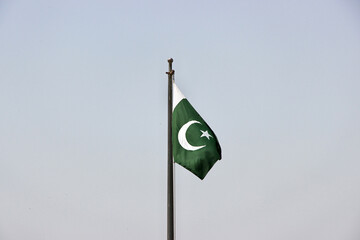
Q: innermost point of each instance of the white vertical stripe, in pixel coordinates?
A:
(177, 96)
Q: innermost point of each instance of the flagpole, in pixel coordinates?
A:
(170, 176)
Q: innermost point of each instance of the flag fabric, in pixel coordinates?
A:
(195, 146)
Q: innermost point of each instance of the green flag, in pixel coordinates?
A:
(195, 146)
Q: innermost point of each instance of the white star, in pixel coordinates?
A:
(205, 134)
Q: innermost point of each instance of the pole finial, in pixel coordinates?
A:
(171, 71)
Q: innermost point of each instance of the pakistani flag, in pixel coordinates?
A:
(195, 146)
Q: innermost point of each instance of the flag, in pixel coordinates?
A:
(195, 146)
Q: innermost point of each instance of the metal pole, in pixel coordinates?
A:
(170, 177)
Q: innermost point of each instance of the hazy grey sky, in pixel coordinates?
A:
(83, 116)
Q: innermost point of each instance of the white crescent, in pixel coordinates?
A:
(182, 137)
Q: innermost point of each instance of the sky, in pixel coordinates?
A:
(83, 118)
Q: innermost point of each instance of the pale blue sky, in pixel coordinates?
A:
(83, 118)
